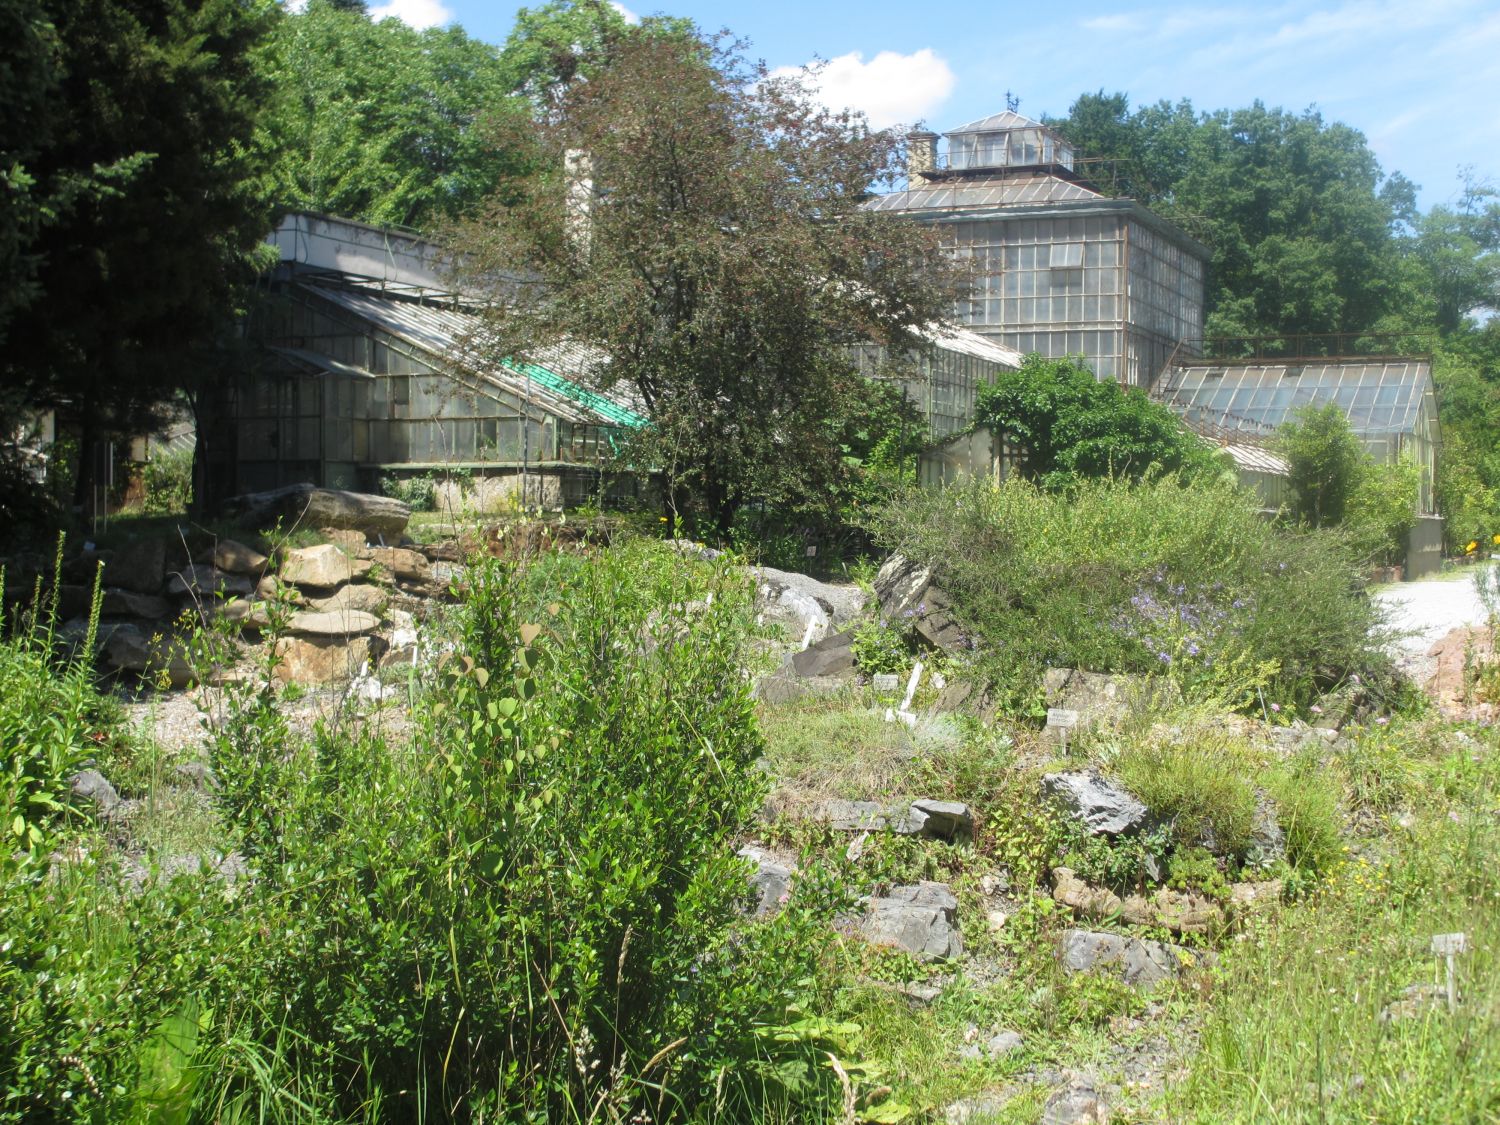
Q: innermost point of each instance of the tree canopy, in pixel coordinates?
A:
(1074, 426)
(137, 210)
(710, 241)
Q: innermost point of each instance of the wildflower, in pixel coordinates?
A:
(1238, 603)
(1354, 679)
(1495, 539)
(1192, 648)
(1472, 547)
(1315, 709)
(1276, 707)
(1164, 657)
(1382, 721)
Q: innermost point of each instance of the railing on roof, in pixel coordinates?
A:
(1306, 346)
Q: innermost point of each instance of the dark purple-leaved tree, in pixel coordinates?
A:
(700, 223)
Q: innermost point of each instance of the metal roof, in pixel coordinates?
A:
(998, 191)
(1257, 459)
(998, 122)
(1377, 396)
(552, 378)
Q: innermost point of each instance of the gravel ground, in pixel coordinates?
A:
(1425, 612)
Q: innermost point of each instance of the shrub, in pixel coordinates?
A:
(417, 493)
(1382, 511)
(1325, 461)
(1185, 581)
(1075, 426)
(530, 913)
(168, 478)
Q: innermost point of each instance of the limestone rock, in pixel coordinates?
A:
(796, 600)
(771, 882)
(1267, 840)
(130, 650)
(94, 787)
(942, 820)
(1078, 1104)
(936, 624)
(900, 585)
(1139, 961)
(323, 567)
(320, 660)
(832, 656)
(350, 541)
(1083, 899)
(859, 816)
(1105, 699)
(207, 582)
(355, 597)
(140, 566)
(1104, 808)
(233, 557)
(1250, 898)
(919, 919)
(346, 623)
(128, 603)
(407, 565)
(305, 505)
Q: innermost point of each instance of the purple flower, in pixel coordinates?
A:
(1192, 648)
(1238, 603)
(1315, 709)
(1382, 721)
(1276, 707)
(1164, 657)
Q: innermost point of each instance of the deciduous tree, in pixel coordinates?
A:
(709, 240)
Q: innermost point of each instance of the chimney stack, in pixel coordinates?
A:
(921, 155)
(578, 175)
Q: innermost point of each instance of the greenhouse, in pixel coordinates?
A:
(1061, 267)
(1391, 404)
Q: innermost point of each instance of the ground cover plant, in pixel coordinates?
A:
(1183, 581)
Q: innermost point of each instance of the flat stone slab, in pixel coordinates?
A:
(320, 660)
(234, 557)
(832, 656)
(206, 581)
(347, 623)
(128, 603)
(356, 596)
(323, 567)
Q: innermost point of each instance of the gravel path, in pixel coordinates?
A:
(1425, 612)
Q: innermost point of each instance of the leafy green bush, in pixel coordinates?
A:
(418, 493)
(881, 646)
(1163, 578)
(1074, 426)
(529, 914)
(168, 478)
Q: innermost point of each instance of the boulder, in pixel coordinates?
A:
(355, 597)
(206, 582)
(128, 603)
(832, 656)
(1251, 898)
(130, 650)
(796, 599)
(93, 787)
(900, 586)
(270, 588)
(1076, 1104)
(936, 625)
(1267, 840)
(320, 660)
(1183, 912)
(941, 820)
(1139, 961)
(352, 542)
(322, 567)
(140, 566)
(407, 565)
(234, 557)
(920, 920)
(305, 505)
(771, 883)
(348, 623)
(859, 816)
(1105, 700)
(1082, 898)
(1103, 807)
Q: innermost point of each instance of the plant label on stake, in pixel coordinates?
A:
(1062, 720)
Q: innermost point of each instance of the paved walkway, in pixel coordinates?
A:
(1426, 611)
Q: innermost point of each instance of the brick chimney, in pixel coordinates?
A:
(921, 155)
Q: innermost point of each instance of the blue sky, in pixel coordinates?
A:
(1420, 78)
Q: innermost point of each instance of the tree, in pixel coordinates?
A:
(1324, 461)
(378, 121)
(711, 243)
(149, 217)
(1074, 426)
(1293, 208)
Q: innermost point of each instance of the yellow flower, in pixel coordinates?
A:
(1495, 538)
(1472, 547)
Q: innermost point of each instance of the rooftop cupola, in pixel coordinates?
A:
(1006, 140)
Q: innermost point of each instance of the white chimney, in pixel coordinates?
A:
(578, 176)
(921, 155)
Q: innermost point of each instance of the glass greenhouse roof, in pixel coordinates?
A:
(1378, 397)
(996, 192)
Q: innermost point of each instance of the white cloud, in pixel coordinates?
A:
(414, 13)
(890, 89)
(630, 17)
